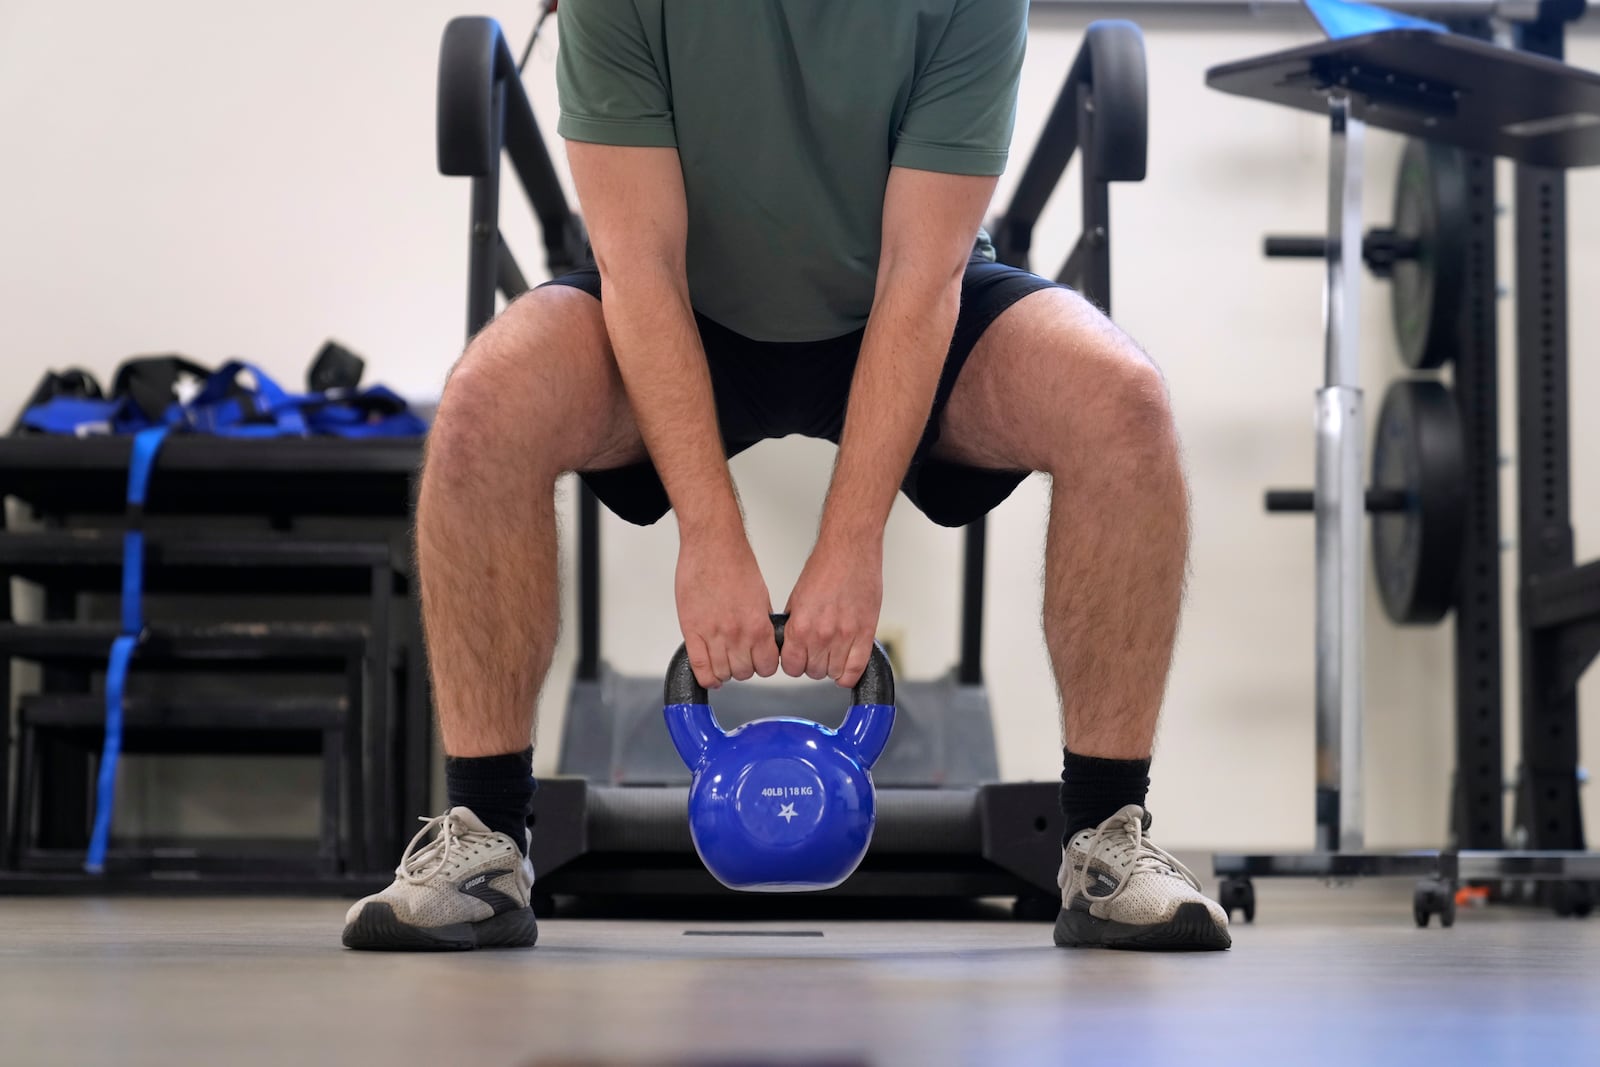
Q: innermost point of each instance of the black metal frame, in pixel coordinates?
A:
(387, 737)
(484, 112)
(1478, 800)
(1559, 620)
(1102, 109)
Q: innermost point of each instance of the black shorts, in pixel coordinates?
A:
(767, 389)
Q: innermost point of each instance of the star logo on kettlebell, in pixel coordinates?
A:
(787, 813)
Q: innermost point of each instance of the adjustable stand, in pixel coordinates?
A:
(1341, 567)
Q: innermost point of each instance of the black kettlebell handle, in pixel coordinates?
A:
(875, 687)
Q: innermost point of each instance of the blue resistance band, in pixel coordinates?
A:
(146, 444)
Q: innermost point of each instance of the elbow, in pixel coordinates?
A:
(642, 275)
(633, 269)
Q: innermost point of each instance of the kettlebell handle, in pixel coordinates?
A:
(875, 687)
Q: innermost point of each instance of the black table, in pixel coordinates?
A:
(217, 475)
(1440, 87)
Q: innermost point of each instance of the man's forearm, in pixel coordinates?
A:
(663, 367)
(907, 339)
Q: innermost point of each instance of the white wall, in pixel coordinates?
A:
(222, 179)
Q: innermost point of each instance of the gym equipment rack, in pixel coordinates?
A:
(1489, 101)
(331, 523)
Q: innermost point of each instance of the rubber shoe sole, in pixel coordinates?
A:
(377, 930)
(1191, 929)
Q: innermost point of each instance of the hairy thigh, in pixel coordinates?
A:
(1049, 381)
(542, 377)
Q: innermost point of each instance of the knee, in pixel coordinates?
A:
(1143, 408)
(1126, 426)
(478, 420)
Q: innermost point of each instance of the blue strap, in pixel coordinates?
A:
(74, 415)
(268, 410)
(105, 790)
(373, 412)
(224, 408)
(132, 582)
(146, 445)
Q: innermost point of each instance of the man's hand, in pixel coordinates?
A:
(833, 611)
(724, 610)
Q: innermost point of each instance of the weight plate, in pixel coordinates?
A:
(1418, 449)
(1427, 298)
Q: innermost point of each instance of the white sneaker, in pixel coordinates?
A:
(1120, 891)
(466, 888)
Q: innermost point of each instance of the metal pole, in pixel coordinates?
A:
(483, 258)
(969, 670)
(1479, 800)
(1095, 278)
(1550, 808)
(1340, 499)
(588, 584)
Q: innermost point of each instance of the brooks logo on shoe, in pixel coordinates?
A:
(1098, 884)
(478, 886)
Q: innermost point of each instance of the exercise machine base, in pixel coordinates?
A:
(629, 848)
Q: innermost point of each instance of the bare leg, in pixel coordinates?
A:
(1053, 386)
(536, 394)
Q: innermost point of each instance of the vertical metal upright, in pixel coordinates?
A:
(969, 667)
(1548, 803)
(1092, 257)
(483, 249)
(588, 668)
(1478, 801)
(1340, 498)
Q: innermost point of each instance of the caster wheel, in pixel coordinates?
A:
(1571, 899)
(1238, 894)
(1036, 908)
(1447, 908)
(1432, 897)
(1582, 899)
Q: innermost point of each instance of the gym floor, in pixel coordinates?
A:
(1323, 976)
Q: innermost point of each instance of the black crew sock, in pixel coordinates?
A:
(1094, 789)
(498, 789)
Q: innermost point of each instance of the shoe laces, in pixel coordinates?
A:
(418, 864)
(1122, 840)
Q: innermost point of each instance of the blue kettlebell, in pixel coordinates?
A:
(781, 805)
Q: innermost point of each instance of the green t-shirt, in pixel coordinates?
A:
(787, 115)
